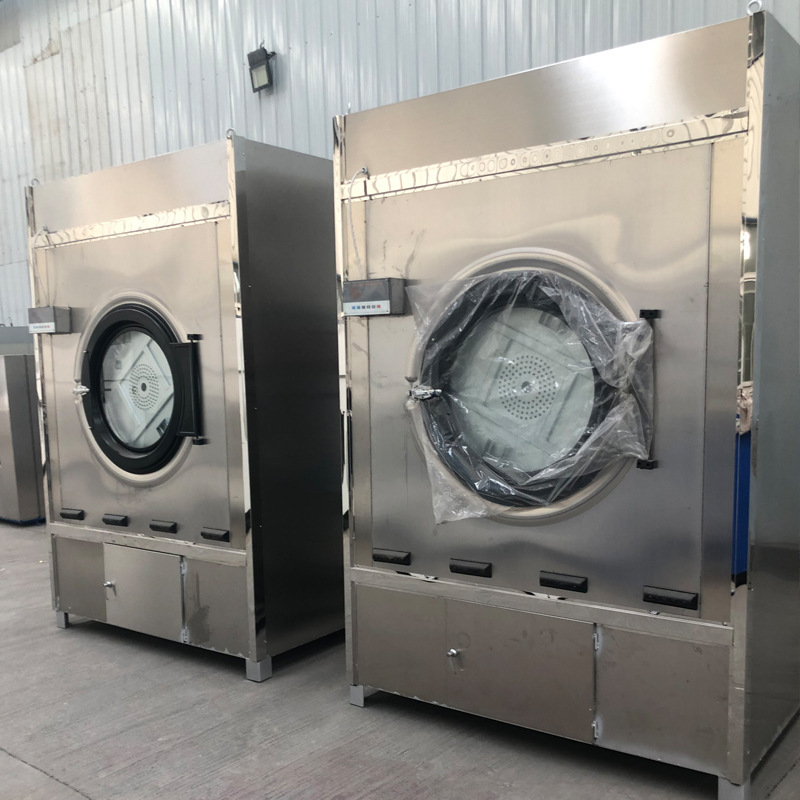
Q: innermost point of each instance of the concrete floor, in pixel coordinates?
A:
(96, 712)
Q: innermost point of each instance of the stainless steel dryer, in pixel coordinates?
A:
(558, 517)
(185, 312)
(21, 486)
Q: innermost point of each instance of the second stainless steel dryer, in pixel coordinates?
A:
(187, 349)
(575, 449)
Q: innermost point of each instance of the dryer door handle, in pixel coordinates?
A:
(191, 412)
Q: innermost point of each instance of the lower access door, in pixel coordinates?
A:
(143, 591)
(518, 667)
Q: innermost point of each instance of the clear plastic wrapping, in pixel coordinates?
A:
(528, 387)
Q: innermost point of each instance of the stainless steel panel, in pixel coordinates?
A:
(526, 669)
(78, 575)
(177, 269)
(143, 591)
(721, 362)
(773, 610)
(21, 487)
(663, 699)
(288, 278)
(216, 607)
(672, 626)
(185, 178)
(400, 643)
(198, 552)
(649, 243)
(700, 72)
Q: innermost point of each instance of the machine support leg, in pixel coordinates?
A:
(258, 671)
(359, 694)
(62, 619)
(733, 791)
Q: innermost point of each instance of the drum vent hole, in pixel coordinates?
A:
(143, 387)
(527, 387)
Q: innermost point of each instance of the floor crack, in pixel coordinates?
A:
(44, 772)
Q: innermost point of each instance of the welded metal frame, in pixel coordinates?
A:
(192, 211)
(749, 121)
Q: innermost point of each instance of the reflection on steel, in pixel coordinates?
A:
(729, 123)
(662, 176)
(20, 465)
(121, 227)
(176, 457)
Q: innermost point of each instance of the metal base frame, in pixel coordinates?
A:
(359, 695)
(258, 671)
(62, 619)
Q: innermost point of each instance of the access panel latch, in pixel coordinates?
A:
(377, 296)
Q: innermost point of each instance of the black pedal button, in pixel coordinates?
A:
(215, 535)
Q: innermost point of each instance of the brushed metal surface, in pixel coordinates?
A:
(725, 212)
(663, 699)
(145, 593)
(21, 486)
(773, 611)
(523, 668)
(554, 155)
(199, 552)
(176, 269)
(184, 178)
(686, 629)
(400, 643)
(216, 607)
(78, 575)
(651, 246)
(288, 278)
(700, 72)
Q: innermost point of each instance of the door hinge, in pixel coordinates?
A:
(596, 641)
(184, 635)
(595, 729)
(183, 566)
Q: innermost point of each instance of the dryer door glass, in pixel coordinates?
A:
(526, 388)
(143, 387)
(138, 389)
(529, 387)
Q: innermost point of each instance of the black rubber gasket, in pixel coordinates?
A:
(487, 297)
(130, 317)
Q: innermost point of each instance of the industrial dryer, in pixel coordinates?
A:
(185, 311)
(573, 442)
(21, 488)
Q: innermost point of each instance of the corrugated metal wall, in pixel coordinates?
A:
(94, 83)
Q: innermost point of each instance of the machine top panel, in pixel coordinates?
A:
(189, 177)
(699, 72)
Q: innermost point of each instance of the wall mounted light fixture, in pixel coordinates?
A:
(260, 69)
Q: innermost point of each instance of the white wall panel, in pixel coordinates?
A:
(94, 83)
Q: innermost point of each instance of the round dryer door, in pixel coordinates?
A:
(523, 364)
(139, 388)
